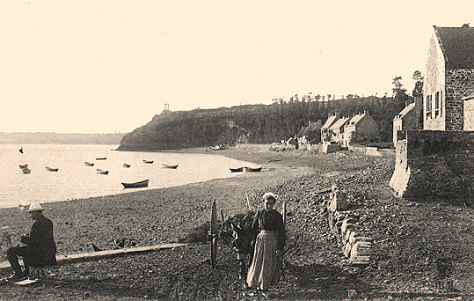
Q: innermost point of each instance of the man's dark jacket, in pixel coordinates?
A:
(41, 243)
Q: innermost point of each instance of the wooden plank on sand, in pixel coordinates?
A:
(93, 256)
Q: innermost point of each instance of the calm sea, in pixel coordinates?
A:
(76, 180)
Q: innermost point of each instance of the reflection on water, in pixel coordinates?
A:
(74, 179)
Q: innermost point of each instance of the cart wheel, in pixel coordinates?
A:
(213, 234)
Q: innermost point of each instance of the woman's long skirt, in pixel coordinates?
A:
(264, 270)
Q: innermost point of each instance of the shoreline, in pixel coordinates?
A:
(149, 216)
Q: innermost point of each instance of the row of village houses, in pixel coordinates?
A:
(447, 103)
(345, 130)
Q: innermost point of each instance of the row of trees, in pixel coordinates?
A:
(265, 123)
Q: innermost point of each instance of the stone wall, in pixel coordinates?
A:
(355, 244)
(435, 165)
(459, 84)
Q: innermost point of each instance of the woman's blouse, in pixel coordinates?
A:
(270, 220)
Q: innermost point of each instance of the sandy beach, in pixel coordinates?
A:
(316, 268)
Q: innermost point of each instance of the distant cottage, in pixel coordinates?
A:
(337, 130)
(325, 133)
(361, 128)
(404, 121)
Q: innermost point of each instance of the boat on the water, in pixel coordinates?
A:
(252, 169)
(138, 184)
(102, 171)
(88, 164)
(147, 161)
(23, 166)
(126, 165)
(238, 169)
(26, 170)
(51, 169)
(101, 158)
(170, 166)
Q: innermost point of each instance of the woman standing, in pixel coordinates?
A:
(264, 270)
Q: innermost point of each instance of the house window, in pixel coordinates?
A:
(441, 103)
(429, 106)
(437, 105)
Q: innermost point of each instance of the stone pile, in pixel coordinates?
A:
(355, 246)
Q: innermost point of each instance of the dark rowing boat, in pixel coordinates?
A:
(252, 169)
(89, 164)
(51, 169)
(23, 166)
(139, 184)
(147, 162)
(101, 158)
(239, 169)
(126, 165)
(102, 172)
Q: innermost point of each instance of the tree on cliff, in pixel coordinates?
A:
(399, 93)
(418, 89)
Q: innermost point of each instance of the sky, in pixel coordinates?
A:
(102, 66)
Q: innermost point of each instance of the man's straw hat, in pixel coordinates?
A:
(35, 207)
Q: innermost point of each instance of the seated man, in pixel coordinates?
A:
(40, 249)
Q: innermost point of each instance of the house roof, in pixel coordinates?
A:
(339, 123)
(356, 118)
(329, 121)
(457, 44)
(405, 110)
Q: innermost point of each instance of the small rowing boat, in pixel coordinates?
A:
(101, 158)
(23, 166)
(147, 161)
(102, 172)
(138, 184)
(88, 164)
(26, 170)
(252, 169)
(126, 165)
(51, 169)
(170, 166)
(238, 169)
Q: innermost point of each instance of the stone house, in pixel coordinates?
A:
(336, 130)
(437, 163)
(325, 133)
(405, 120)
(449, 78)
(361, 128)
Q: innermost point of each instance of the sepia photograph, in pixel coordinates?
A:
(236, 150)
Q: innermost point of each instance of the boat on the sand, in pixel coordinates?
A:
(23, 166)
(252, 169)
(88, 164)
(238, 169)
(126, 165)
(138, 184)
(26, 170)
(147, 161)
(51, 169)
(101, 158)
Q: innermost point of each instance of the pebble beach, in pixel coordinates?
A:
(315, 266)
